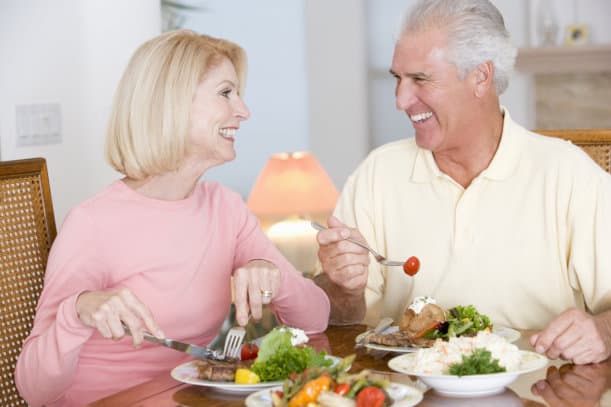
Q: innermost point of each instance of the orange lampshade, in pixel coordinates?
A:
(292, 184)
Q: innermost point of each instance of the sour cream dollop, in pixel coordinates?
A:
(420, 302)
(298, 336)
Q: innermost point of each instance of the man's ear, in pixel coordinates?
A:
(483, 78)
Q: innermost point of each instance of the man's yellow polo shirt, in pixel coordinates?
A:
(528, 239)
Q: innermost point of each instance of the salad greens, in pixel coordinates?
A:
(460, 321)
(278, 358)
(479, 362)
(332, 386)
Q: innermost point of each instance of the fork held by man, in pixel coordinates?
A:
(410, 266)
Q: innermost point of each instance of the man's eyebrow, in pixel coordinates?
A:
(415, 75)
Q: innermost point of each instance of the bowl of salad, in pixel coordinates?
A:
(469, 366)
(333, 386)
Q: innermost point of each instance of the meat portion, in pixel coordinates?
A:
(217, 370)
(413, 323)
(400, 339)
(412, 326)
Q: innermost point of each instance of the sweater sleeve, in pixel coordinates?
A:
(49, 356)
(300, 302)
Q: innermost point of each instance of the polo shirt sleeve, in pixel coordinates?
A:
(589, 262)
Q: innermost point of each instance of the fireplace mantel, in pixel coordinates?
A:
(582, 58)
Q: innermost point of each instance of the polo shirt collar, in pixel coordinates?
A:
(507, 156)
(503, 163)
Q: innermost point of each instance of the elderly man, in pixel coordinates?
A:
(515, 223)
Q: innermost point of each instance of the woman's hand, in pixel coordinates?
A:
(256, 283)
(107, 310)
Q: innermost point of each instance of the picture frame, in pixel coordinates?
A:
(577, 34)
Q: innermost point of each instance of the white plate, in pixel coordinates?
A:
(187, 373)
(402, 395)
(469, 386)
(510, 334)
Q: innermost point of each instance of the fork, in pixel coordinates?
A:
(379, 328)
(379, 258)
(233, 342)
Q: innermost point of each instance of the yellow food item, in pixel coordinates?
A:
(310, 391)
(246, 376)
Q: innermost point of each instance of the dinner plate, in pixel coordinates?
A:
(187, 373)
(402, 395)
(473, 385)
(511, 335)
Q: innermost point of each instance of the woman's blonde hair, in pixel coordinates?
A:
(149, 121)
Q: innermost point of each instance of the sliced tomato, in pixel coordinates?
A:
(249, 351)
(342, 389)
(411, 266)
(433, 325)
(370, 396)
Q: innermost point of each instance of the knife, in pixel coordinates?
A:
(380, 327)
(198, 351)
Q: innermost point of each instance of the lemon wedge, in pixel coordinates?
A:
(246, 376)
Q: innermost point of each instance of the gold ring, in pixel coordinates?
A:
(266, 293)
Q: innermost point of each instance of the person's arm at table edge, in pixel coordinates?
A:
(301, 303)
(347, 307)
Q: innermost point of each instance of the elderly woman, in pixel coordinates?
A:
(156, 250)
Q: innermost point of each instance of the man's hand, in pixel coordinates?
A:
(573, 385)
(576, 336)
(107, 311)
(346, 264)
(252, 282)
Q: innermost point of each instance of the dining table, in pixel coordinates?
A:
(560, 383)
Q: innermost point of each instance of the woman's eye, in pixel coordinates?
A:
(226, 93)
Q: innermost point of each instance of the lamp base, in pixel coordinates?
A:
(296, 240)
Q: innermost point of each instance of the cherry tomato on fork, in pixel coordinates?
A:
(249, 351)
(411, 266)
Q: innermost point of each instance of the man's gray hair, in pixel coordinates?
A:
(475, 31)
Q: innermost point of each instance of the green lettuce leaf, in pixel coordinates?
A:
(278, 358)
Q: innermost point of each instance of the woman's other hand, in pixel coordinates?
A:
(256, 284)
(107, 310)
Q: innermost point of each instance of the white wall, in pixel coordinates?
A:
(337, 78)
(594, 13)
(70, 52)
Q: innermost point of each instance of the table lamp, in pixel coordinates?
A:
(293, 189)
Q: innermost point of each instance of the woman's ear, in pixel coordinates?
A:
(483, 78)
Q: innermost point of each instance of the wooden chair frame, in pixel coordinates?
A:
(595, 142)
(27, 231)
